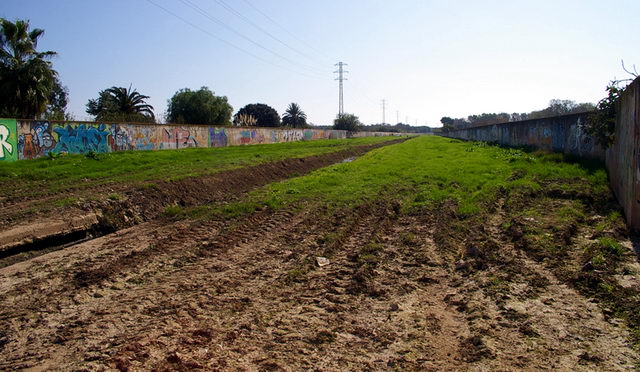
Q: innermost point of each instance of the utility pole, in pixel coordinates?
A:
(340, 79)
(384, 107)
(397, 116)
(407, 120)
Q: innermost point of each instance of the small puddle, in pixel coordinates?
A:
(349, 160)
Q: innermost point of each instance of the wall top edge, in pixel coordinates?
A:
(527, 121)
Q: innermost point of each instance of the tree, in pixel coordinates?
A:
(265, 116)
(447, 123)
(294, 117)
(445, 120)
(26, 75)
(347, 122)
(199, 107)
(120, 104)
(601, 124)
(57, 106)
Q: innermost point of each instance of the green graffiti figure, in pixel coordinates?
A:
(8, 140)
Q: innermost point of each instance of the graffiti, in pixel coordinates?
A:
(82, 139)
(8, 142)
(36, 141)
(177, 138)
(119, 140)
(292, 135)
(27, 139)
(252, 136)
(217, 137)
(143, 138)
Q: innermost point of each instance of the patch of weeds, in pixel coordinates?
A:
(148, 186)
(611, 246)
(570, 214)
(497, 287)
(409, 239)
(173, 212)
(115, 196)
(368, 255)
(66, 202)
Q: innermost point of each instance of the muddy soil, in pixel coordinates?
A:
(250, 295)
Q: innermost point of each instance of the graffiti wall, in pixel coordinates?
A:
(8, 139)
(560, 134)
(28, 139)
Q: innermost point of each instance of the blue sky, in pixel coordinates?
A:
(428, 59)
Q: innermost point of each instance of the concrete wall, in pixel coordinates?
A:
(564, 134)
(622, 157)
(560, 134)
(28, 139)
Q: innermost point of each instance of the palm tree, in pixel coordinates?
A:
(130, 102)
(26, 75)
(120, 104)
(294, 117)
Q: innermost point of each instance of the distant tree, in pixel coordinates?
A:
(120, 104)
(199, 107)
(347, 122)
(266, 116)
(488, 118)
(26, 75)
(519, 116)
(445, 120)
(559, 107)
(294, 117)
(57, 106)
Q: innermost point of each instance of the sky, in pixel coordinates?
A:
(427, 59)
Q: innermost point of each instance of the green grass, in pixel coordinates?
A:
(423, 172)
(29, 177)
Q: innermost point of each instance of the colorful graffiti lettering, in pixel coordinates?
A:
(8, 140)
(82, 139)
(177, 138)
(217, 137)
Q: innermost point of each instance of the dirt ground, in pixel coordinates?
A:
(365, 288)
(193, 295)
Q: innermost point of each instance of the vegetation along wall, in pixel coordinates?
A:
(565, 134)
(28, 139)
(560, 134)
(623, 162)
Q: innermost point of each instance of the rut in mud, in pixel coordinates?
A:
(138, 205)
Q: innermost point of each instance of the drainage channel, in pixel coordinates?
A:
(38, 247)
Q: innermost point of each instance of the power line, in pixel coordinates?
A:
(214, 36)
(241, 16)
(231, 29)
(340, 79)
(287, 31)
